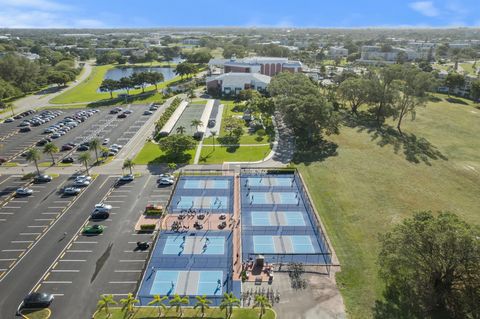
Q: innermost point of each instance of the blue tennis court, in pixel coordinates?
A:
(185, 245)
(267, 218)
(206, 183)
(268, 181)
(268, 198)
(290, 244)
(191, 283)
(202, 202)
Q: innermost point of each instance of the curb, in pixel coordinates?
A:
(49, 314)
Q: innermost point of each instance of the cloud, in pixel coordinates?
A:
(41, 5)
(427, 8)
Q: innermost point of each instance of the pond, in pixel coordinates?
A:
(118, 73)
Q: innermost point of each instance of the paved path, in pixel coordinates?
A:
(40, 100)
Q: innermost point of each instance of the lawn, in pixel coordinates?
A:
(247, 137)
(220, 154)
(212, 313)
(374, 181)
(87, 90)
(468, 67)
(151, 154)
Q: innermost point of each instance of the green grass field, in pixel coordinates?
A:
(212, 313)
(468, 68)
(86, 91)
(220, 154)
(373, 183)
(151, 154)
(247, 137)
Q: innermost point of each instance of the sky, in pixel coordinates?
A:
(253, 13)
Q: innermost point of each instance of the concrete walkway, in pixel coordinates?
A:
(38, 100)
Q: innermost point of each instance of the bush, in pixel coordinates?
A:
(153, 213)
(147, 227)
(166, 115)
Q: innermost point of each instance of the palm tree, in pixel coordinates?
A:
(261, 302)
(104, 302)
(213, 134)
(196, 123)
(50, 148)
(128, 163)
(178, 303)
(172, 166)
(95, 144)
(128, 303)
(228, 302)
(203, 303)
(33, 155)
(181, 130)
(157, 300)
(85, 157)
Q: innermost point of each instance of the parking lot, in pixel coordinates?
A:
(41, 240)
(101, 125)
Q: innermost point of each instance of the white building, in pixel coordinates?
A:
(337, 52)
(234, 82)
(373, 54)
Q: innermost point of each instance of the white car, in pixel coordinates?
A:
(9, 120)
(165, 181)
(106, 141)
(117, 146)
(82, 183)
(23, 191)
(84, 177)
(127, 178)
(103, 206)
(71, 191)
(147, 113)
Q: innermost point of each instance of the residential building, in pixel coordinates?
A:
(337, 52)
(373, 54)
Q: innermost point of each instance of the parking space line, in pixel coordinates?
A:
(85, 242)
(44, 226)
(73, 260)
(78, 251)
(65, 270)
(6, 213)
(13, 250)
(21, 241)
(43, 219)
(7, 259)
(57, 282)
(29, 234)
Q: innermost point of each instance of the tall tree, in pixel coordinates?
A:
(33, 155)
(202, 303)
(109, 85)
(453, 81)
(128, 163)
(228, 302)
(51, 149)
(128, 303)
(154, 78)
(383, 90)
(213, 134)
(355, 91)
(95, 144)
(430, 267)
(181, 130)
(175, 145)
(413, 86)
(159, 302)
(178, 302)
(105, 302)
(196, 123)
(185, 69)
(262, 303)
(475, 90)
(126, 84)
(85, 158)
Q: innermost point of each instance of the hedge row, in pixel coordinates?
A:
(166, 115)
(147, 227)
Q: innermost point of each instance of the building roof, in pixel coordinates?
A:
(239, 76)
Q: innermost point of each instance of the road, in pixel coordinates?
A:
(39, 100)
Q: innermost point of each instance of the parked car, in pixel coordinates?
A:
(127, 178)
(81, 183)
(9, 120)
(165, 181)
(93, 230)
(25, 129)
(83, 148)
(97, 214)
(23, 191)
(122, 116)
(37, 300)
(42, 179)
(67, 147)
(147, 113)
(103, 207)
(68, 160)
(106, 141)
(117, 146)
(71, 191)
(84, 177)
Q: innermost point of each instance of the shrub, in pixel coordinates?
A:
(147, 227)
(166, 115)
